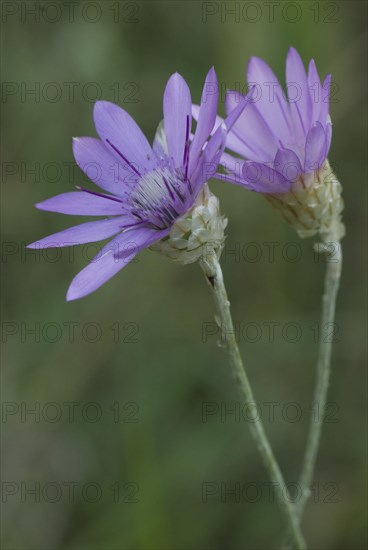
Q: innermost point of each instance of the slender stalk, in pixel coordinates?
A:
(332, 282)
(212, 270)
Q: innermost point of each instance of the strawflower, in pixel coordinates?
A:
(282, 146)
(149, 194)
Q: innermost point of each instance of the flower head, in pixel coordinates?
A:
(285, 141)
(146, 190)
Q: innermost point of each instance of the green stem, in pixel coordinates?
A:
(332, 282)
(212, 270)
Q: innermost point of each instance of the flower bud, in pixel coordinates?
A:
(313, 205)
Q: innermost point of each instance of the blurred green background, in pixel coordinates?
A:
(132, 444)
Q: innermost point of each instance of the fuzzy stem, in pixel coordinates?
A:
(212, 270)
(332, 281)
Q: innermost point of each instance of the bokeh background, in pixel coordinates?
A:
(132, 443)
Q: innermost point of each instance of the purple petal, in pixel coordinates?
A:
(287, 163)
(112, 258)
(233, 166)
(270, 100)
(263, 178)
(215, 147)
(233, 116)
(258, 141)
(315, 148)
(325, 105)
(84, 233)
(232, 141)
(195, 113)
(300, 104)
(206, 118)
(101, 166)
(177, 117)
(315, 89)
(123, 137)
(207, 167)
(232, 178)
(82, 203)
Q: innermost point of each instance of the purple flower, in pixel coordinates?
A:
(282, 139)
(146, 189)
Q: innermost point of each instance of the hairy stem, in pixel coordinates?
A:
(212, 270)
(332, 282)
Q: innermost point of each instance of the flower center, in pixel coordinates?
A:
(159, 198)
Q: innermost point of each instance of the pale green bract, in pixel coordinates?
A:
(313, 205)
(201, 229)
